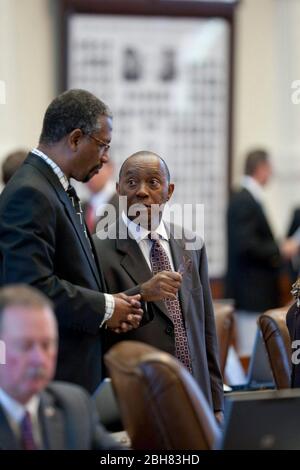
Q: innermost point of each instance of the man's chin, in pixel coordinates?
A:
(148, 223)
(90, 175)
(37, 385)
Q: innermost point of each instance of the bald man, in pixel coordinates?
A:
(131, 260)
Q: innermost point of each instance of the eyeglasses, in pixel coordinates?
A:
(103, 147)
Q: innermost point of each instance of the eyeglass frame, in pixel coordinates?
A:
(100, 142)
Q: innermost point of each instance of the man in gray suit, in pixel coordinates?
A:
(33, 413)
(126, 254)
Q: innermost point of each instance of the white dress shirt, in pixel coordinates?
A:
(140, 235)
(254, 188)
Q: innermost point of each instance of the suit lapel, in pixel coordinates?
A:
(52, 424)
(8, 440)
(178, 254)
(133, 260)
(65, 200)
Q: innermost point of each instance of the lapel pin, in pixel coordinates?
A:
(49, 411)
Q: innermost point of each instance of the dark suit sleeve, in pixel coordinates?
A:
(101, 439)
(211, 337)
(245, 218)
(295, 223)
(28, 241)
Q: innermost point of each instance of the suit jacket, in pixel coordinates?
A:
(295, 223)
(42, 243)
(293, 324)
(68, 421)
(253, 255)
(126, 268)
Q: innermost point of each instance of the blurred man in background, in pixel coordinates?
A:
(253, 255)
(11, 163)
(35, 414)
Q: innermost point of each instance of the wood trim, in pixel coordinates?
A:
(152, 7)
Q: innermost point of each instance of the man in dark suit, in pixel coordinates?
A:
(35, 414)
(44, 241)
(253, 254)
(125, 255)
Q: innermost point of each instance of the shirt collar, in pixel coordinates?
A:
(16, 410)
(254, 188)
(139, 233)
(56, 169)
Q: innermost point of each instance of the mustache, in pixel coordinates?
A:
(38, 372)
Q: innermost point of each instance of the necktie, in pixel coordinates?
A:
(27, 439)
(77, 206)
(160, 262)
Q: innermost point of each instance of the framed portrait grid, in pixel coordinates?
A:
(167, 80)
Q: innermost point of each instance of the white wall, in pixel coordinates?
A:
(267, 61)
(28, 67)
(254, 111)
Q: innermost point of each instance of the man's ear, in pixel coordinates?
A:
(74, 138)
(170, 190)
(118, 188)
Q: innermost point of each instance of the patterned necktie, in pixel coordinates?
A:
(160, 262)
(27, 439)
(77, 206)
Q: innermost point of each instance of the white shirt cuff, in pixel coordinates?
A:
(109, 308)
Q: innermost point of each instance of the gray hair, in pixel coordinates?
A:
(21, 295)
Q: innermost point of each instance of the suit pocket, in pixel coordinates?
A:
(196, 291)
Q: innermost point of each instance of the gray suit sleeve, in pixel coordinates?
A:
(101, 439)
(211, 337)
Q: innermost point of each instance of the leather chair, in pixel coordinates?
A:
(161, 405)
(225, 328)
(278, 345)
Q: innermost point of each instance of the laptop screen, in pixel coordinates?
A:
(259, 374)
(259, 366)
(262, 420)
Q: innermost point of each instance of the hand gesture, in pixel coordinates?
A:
(127, 313)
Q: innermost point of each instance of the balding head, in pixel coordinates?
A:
(144, 156)
(145, 180)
